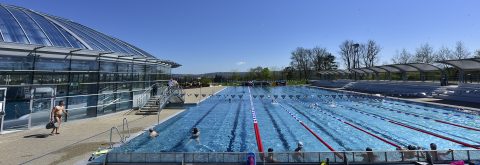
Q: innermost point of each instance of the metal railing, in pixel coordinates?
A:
(142, 101)
(122, 138)
(125, 124)
(305, 157)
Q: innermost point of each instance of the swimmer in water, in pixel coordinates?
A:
(298, 152)
(368, 155)
(195, 136)
(270, 158)
(435, 155)
(153, 133)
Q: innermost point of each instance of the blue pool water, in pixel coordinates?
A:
(226, 123)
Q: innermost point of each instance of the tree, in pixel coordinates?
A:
(302, 61)
(370, 54)
(424, 54)
(274, 72)
(235, 75)
(477, 53)
(323, 60)
(460, 52)
(218, 78)
(444, 53)
(349, 54)
(255, 73)
(265, 73)
(403, 57)
(288, 73)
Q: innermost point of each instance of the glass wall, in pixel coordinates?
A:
(90, 86)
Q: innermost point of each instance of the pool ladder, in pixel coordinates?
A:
(123, 137)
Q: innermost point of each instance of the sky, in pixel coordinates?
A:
(235, 35)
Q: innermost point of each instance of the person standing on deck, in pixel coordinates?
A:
(56, 116)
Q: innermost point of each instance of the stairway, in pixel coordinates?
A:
(150, 108)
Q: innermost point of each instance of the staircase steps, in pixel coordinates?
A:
(150, 108)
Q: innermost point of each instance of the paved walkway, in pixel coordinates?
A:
(79, 138)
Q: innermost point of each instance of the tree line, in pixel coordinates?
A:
(426, 54)
(352, 54)
(306, 62)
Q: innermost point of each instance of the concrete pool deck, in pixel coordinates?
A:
(80, 138)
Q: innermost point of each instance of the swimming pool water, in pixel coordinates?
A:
(226, 124)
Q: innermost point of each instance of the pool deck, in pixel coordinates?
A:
(432, 101)
(80, 138)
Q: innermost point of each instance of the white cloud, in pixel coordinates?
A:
(241, 62)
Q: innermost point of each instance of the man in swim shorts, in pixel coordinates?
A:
(56, 116)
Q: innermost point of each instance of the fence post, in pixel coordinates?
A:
(453, 157)
(403, 156)
(468, 155)
(319, 158)
(353, 157)
(386, 159)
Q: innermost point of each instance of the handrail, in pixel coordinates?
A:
(363, 157)
(119, 134)
(141, 102)
(125, 122)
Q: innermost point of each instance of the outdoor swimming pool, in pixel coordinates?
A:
(323, 120)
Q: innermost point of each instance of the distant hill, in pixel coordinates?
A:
(223, 74)
(211, 75)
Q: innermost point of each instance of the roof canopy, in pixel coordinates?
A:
(464, 64)
(24, 26)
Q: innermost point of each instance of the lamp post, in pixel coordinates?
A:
(355, 50)
(200, 83)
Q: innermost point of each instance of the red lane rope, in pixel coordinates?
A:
(378, 137)
(255, 124)
(318, 137)
(361, 129)
(418, 129)
(457, 125)
(425, 117)
(309, 130)
(258, 137)
(434, 134)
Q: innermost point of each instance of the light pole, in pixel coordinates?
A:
(200, 83)
(355, 50)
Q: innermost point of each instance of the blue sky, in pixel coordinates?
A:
(223, 35)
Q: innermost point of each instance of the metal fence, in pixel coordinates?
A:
(305, 157)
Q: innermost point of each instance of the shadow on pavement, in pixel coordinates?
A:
(43, 135)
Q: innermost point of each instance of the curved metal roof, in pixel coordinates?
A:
(464, 64)
(390, 68)
(21, 25)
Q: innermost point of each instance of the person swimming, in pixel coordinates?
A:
(298, 152)
(196, 135)
(368, 155)
(435, 156)
(153, 133)
(270, 158)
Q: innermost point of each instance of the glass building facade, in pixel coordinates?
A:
(45, 59)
